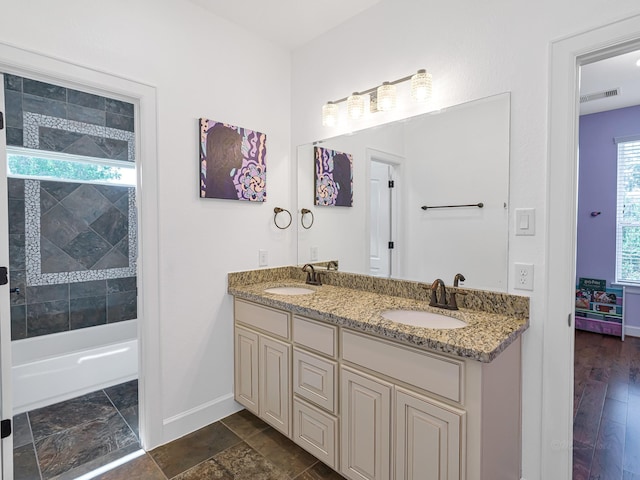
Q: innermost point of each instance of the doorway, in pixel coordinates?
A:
(385, 244)
(567, 55)
(605, 391)
(49, 70)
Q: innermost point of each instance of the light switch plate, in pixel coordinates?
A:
(525, 221)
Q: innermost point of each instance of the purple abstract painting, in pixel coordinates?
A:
(232, 162)
(333, 178)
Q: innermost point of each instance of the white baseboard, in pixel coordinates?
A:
(632, 331)
(198, 417)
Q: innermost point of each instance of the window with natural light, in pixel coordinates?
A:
(43, 165)
(628, 213)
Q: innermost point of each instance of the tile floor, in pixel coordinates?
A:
(69, 439)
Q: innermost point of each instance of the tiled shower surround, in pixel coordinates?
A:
(50, 117)
(72, 251)
(72, 246)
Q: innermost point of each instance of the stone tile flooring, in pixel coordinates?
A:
(69, 439)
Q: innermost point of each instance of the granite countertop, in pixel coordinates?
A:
(485, 336)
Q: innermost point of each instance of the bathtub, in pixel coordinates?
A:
(53, 368)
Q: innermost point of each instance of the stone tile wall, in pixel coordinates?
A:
(50, 117)
(72, 254)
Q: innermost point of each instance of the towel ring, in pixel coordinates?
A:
(278, 210)
(304, 211)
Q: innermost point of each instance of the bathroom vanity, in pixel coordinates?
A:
(377, 399)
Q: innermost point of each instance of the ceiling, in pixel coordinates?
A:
(287, 23)
(292, 23)
(615, 72)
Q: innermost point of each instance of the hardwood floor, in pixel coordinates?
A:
(606, 407)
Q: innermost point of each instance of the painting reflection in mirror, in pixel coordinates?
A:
(232, 162)
(333, 178)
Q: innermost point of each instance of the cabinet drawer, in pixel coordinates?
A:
(315, 431)
(264, 318)
(315, 335)
(434, 373)
(314, 379)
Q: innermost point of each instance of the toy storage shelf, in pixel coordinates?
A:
(605, 318)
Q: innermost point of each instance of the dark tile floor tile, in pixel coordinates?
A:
(631, 476)
(105, 460)
(244, 424)
(76, 446)
(243, 462)
(582, 458)
(205, 470)
(281, 451)
(188, 451)
(319, 472)
(21, 430)
(61, 416)
(143, 468)
(124, 395)
(25, 464)
(131, 416)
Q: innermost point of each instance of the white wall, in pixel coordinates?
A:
(201, 66)
(473, 49)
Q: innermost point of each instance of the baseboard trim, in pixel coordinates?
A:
(632, 331)
(191, 420)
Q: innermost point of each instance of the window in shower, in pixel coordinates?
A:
(44, 165)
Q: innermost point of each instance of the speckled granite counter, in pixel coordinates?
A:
(494, 320)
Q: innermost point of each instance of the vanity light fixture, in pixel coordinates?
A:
(383, 98)
(329, 114)
(355, 105)
(421, 86)
(387, 97)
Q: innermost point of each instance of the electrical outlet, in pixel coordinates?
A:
(314, 254)
(263, 258)
(524, 276)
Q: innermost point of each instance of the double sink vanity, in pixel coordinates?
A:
(362, 373)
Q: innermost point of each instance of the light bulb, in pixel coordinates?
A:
(386, 97)
(421, 85)
(355, 105)
(329, 114)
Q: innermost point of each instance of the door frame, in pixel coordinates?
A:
(566, 56)
(17, 61)
(396, 162)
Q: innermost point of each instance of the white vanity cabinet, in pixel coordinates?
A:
(315, 387)
(376, 409)
(262, 363)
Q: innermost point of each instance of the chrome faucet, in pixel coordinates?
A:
(313, 277)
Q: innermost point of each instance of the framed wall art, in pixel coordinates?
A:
(232, 162)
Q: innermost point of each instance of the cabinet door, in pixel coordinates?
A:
(275, 383)
(246, 369)
(428, 438)
(365, 426)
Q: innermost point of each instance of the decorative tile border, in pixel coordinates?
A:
(35, 277)
(32, 122)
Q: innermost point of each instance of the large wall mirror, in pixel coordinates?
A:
(455, 156)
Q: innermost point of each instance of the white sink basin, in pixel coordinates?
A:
(419, 318)
(289, 290)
